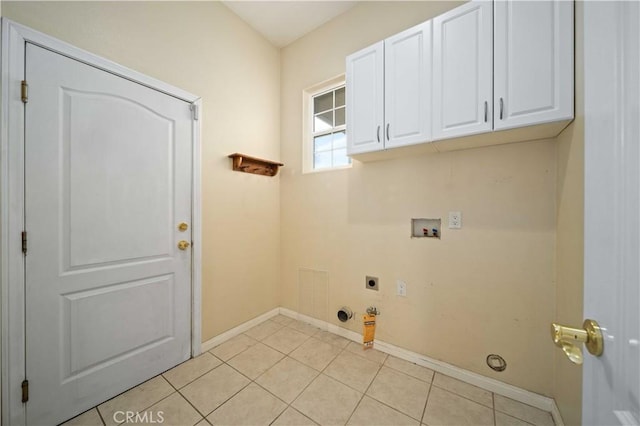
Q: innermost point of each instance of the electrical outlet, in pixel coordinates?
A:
(455, 220)
(401, 288)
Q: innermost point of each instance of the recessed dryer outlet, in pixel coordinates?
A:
(371, 283)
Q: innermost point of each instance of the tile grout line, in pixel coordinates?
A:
(424, 409)
(305, 341)
(493, 402)
(187, 399)
(518, 418)
(175, 390)
(204, 416)
(463, 396)
(162, 399)
(290, 405)
(367, 389)
(261, 374)
(188, 383)
(314, 379)
(145, 408)
(396, 409)
(227, 400)
(241, 334)
(309, 384)
(198, 377)
(100, 415)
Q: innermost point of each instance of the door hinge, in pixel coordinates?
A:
(194, 111)
(24, 242)
(24, 91)
(25, 390)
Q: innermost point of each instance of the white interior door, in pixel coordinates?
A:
(107, 180)
(611, 383)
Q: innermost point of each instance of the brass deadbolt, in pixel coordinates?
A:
(183, 227)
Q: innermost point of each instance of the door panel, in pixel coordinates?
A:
(611, 383)
(462, 70)
(365, 99)
(98, 171)
(407, 86)
(107, 178)
(102, 324)
(533, 62)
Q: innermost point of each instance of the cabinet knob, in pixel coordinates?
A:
(388, 138)
(501, 108)
(486, 111)
(378, 133)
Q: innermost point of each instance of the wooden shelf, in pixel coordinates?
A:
(258, 166)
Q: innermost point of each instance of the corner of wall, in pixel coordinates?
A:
(570, 241)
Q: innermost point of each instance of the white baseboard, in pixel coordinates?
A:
(221, 338)
(492, 385)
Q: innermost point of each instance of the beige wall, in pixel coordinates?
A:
(570, 242)
(204, 48)
(487, 288)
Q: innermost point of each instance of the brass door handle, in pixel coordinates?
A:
(569, 339)
(183, 245)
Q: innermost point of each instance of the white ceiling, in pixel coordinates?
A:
(282, 22)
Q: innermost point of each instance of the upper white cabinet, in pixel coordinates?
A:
(485, 66)
(406, 87)
(533, 62)
(462, 71)
(365, 99)
(388, 92)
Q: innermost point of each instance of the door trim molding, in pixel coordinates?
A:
(12, 339)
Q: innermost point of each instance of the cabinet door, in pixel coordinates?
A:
(365, 99)
(407, 77)
(533, 62)
(462, 70)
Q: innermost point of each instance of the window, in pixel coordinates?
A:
(326, 139)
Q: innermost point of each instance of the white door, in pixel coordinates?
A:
(407, 86)
(365, 99)
(107, 178)
(463, 70)
(533, 62)
(611, 383)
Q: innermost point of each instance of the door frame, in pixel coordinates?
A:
(12, 278)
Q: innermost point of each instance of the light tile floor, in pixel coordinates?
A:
(285, 372)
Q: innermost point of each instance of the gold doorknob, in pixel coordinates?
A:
(183, 245)
(569, 339)
(183, 227)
